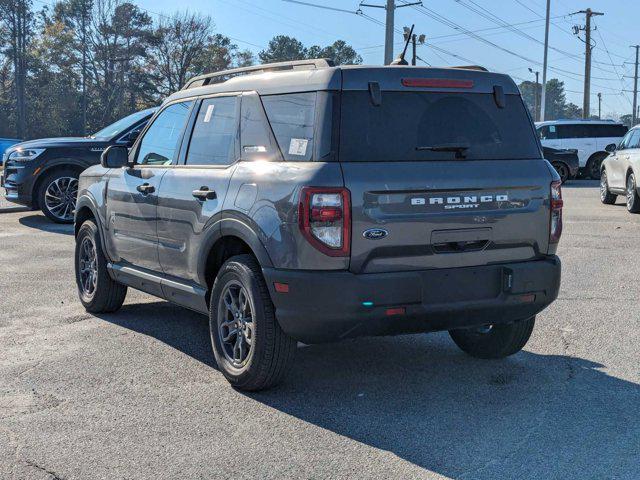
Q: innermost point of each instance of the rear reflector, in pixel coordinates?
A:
(395, 311)
(527, 298)
(436, 83)
(281, 287)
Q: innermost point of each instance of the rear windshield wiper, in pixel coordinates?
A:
(458, 148)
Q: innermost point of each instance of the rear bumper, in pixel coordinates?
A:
(325, 306)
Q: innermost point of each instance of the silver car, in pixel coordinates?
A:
(620, 171)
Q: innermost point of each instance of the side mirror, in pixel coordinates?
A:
(115, 156)
(611, 148)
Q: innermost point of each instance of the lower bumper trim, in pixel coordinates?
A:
(324, 306)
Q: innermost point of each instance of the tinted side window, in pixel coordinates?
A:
(548, 132)
(572, 131)
(615, 131)
(634, 140)
(595, 131)
(626, 141)
(213, 141)
(160, 142)
(292, 118)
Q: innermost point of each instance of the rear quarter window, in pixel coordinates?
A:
(292, 119)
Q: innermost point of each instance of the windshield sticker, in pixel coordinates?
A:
(207, 116)
(298, 146)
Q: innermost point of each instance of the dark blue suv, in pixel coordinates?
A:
(44, 173)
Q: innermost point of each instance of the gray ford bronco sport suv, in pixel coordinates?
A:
(306, 202)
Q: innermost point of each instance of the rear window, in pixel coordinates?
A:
(407, 124)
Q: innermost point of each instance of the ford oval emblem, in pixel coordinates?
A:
(375, 233)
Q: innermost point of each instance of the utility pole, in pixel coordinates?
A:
(536, 117)
(415, 41)
(544, 62)
(635, 90)
(599, 106)
(587, 60)
(390, 7)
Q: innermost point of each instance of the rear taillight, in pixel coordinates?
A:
(556, 212)
(325, 219)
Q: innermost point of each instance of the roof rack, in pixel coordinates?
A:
(471, 67)
(224, 75)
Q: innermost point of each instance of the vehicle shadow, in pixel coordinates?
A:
(581, 184)
(529, 416)
(41, 222)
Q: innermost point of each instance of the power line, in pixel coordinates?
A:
(445, 21)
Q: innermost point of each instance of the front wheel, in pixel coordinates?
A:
(606, 196)
(494, 341)
(633, 201)
(57, 195)
(98, 292)
(250, 348)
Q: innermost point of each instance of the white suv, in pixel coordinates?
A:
(588, 137)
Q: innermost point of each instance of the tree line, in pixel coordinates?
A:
(75, 67)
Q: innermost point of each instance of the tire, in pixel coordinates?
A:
(98, 292)
(562, 170)
(494, 341)
(633, 201)
(606, 196)
(239, 288)
(57, 195)
(594, 165)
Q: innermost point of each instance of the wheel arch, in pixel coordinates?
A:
(65, 164)
(234, 237)
(599, 153)
(86, 209)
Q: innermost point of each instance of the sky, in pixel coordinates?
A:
(252, 23)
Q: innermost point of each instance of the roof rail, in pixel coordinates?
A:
(224, 75)
(471, 67)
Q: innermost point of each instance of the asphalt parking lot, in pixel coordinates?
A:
(136, 394)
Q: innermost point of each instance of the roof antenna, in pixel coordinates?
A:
(400, 60)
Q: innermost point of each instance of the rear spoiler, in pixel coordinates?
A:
(471, 67)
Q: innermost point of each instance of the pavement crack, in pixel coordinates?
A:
(53, 474)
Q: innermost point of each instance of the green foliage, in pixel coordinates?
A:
(89, 62)
(282, 48)
(556, 102)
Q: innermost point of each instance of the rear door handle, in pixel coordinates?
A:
(145, 188)
(204, 194)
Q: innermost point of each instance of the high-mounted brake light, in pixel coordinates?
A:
(555, 224)
(436, 83)
(325, 219)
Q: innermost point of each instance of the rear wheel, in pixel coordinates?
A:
(494, 341)
(594, 166)
(251, 350)
(606, 196)
(633, 201)
(562, 170)
(57, 195)
(98, 292)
